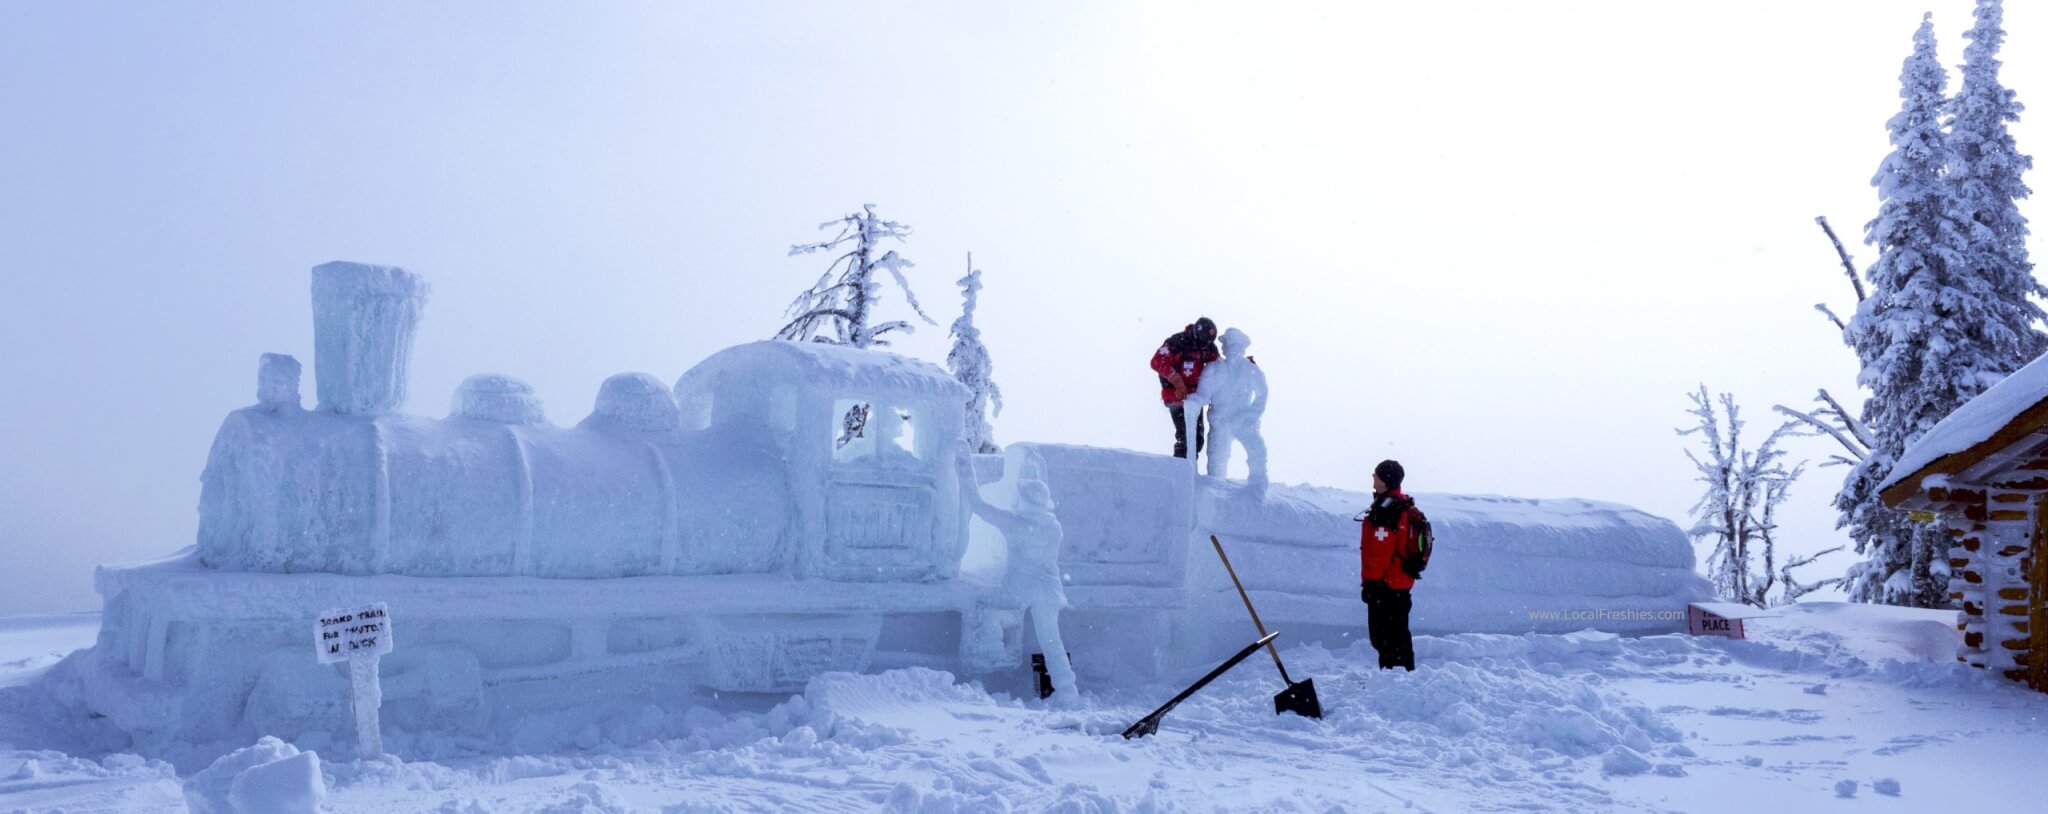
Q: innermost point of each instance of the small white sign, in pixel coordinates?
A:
(346, 633)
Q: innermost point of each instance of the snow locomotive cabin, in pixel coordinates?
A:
(1983, 472)
(732, 535)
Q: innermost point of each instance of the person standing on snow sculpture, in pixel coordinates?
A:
(1385, 541)
(1179, 363)
(1234, 391)
(1031, 575)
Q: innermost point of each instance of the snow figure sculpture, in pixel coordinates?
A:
(1235, 390)
(1031, 538)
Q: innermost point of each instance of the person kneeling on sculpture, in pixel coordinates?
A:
(1386, 548)
(1031, 575)
(1179, 362)
(1234, 390)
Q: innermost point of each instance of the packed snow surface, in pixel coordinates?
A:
(1827, 707)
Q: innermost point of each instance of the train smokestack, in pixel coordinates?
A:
(363, 321)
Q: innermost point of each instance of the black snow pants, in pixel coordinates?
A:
(1386, 622)
(1180, 430)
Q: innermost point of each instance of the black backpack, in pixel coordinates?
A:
(1424, 539)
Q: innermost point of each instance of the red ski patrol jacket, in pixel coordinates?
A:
(1380, 548)
(1182, 354)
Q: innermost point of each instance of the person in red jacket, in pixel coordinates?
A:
(1179, 362)
(1384, 540)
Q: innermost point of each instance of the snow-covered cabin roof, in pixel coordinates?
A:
(1996, 419)
(836, 367)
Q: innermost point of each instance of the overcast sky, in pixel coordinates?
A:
(1498, 241)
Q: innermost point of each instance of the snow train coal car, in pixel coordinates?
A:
(744, 532)
(869, 441)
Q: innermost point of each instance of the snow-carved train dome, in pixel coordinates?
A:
(498, 399)
(637, 402)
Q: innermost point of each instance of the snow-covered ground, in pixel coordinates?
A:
(1827, 707)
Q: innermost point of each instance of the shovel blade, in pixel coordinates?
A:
(1300, 699)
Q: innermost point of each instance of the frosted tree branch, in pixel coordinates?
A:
(1794, 589)
(1836, 423)
(1830, 314)
(1848, 265)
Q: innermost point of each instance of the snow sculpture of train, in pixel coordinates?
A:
(729, 536)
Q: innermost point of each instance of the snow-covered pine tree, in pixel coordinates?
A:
(1933, 333)
(1950, 311)
(970, 364)
(1986, 176)
(1738, 511)
(845, 296)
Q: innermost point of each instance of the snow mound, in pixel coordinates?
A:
(1873, 633)
(857, 695)
(589, 798)
(270, 777)
(1525, 697)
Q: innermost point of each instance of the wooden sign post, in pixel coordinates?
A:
(359, 636)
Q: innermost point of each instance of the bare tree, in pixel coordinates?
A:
(844, 298)
(1738, 511)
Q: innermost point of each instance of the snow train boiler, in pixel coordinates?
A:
(727, 536)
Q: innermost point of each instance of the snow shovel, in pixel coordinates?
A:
(1298, 698)
(1150, 723)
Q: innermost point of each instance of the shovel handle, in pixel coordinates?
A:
(1248, 607)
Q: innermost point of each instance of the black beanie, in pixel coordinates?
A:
(1391, 472)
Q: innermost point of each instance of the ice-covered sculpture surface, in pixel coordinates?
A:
(277, 382)
(882, 506)
(635, 401)
(498, 399)
(489, 492)
(363, 320)
(1234, 388)
(492, 490)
